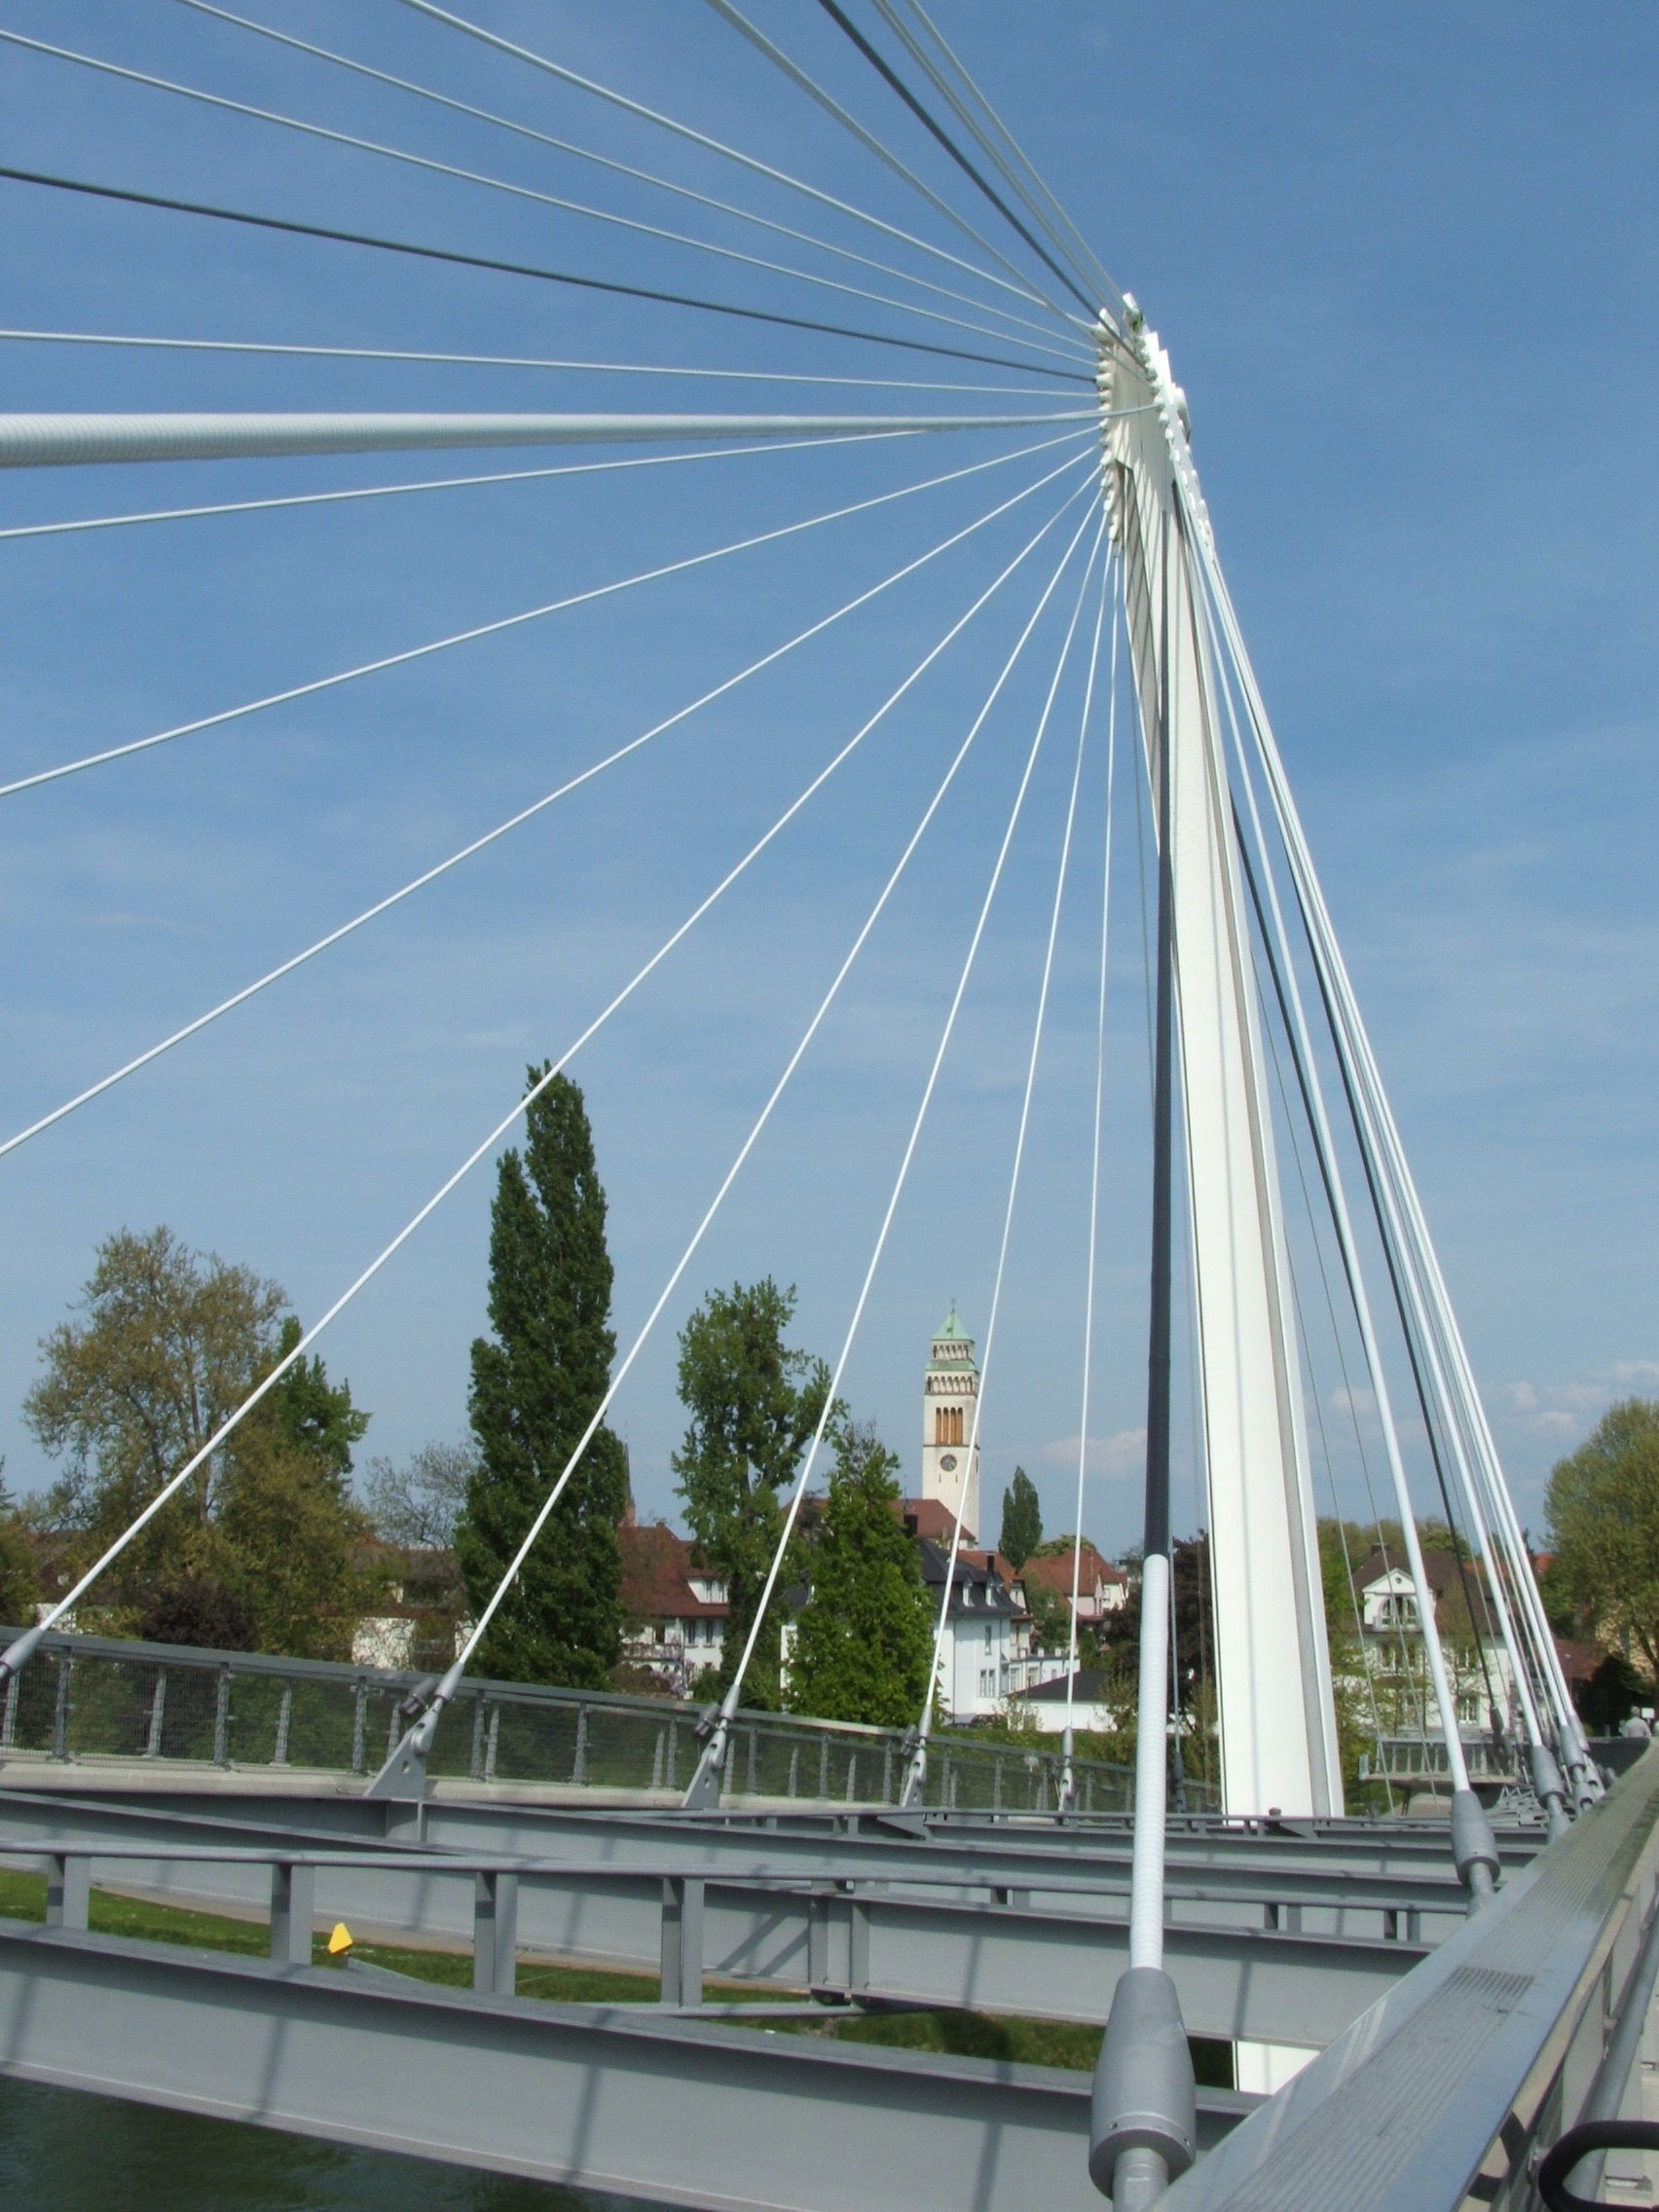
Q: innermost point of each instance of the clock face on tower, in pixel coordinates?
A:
(948, 1462)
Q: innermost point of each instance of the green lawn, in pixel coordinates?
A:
(976, 2034)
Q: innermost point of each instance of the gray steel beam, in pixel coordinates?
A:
(679, 2112)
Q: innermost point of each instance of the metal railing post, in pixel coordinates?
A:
(494, 1934)
(60, 1711)
(360, 1724)
(683, 1940)
(285, 1713)
(578, 1766)
(475, 1762)
(9, 1725)
(293, 1908)
(158, 1714)
(492, 1742)
(222, 1718)
(68, 1890)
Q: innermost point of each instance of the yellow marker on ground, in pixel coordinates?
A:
(342, 1939)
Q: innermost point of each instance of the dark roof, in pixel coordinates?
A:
(1094, 1686)
(975, 1573)
(656, 1565)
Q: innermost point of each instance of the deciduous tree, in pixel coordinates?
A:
(753, 1403)
(864, 1639)
(1603, 1514)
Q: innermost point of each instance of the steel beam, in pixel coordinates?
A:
(679, 2112)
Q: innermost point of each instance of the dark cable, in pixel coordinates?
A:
(521, 269)
(885, 70)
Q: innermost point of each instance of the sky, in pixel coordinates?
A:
(1403, 261)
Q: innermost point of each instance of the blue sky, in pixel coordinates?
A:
(1404, 260)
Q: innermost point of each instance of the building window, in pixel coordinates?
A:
(990, 1634)
(947, 1425)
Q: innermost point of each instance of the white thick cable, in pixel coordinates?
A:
(917, 1774)
(227, 714)
(513, 361)
(564, 205)
(1322, 936)
(1090, 264)
(451, 1678)
(19, 1652)
(617, 168)
(1152, 1753)
(625, 168)
(1067, 1780)
(872, 144)
(515, 821)
(1301, 1045)
(428, 484)
(710, 1763)
(684, 130)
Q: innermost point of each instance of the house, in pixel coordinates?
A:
(1390, 1627)
(420, 1618)
(985, 1651)
(1101, 1587)
(675, 1607)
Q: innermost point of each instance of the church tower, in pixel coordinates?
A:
(951, 1470)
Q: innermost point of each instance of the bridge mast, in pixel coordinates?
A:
(1279, 1746)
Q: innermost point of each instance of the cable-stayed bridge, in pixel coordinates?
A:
(1472, 1985)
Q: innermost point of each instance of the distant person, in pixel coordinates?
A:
(1638, 1724)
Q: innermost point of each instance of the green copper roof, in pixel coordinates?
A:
(952, 1328)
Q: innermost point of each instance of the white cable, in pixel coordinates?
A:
(514, 362)
(623, 169)
(410, 653)
(513, 822)
(1066, 1779)
(1091, 267)
(872, 144)
(13, 1659)
(431, 484)
(626, 168)
(531, 193)
(924, 1727)
(712, 1753)
(667, 123)
(452, 1675)
(1301, 1045)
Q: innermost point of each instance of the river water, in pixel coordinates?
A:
(65, 2152)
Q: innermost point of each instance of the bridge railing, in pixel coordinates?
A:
(87, 1698)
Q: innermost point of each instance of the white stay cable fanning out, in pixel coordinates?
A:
(705, 1783)
(1068, 1778)
(516, 821)
(916, 1773)
(16, 1656)
(405, 1770)
(496, 628)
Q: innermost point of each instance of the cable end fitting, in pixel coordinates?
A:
(1144, 2096)
(1474, 1847)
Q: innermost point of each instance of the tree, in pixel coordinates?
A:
(754, 1404)
(259, 1550)
(418, 1504)
(537, 1383)
(20, 1577)
(1021, 1520)
(168, 1343)
(1603, 1514)
(864, 1641)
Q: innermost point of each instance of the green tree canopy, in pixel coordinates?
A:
(259, 1551)
(1603, 1514)
(1021, 1520)
(864, 1639)
(537, 1383)
(754, 1404)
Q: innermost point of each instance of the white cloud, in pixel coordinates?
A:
(1114, 1457)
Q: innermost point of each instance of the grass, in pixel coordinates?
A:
(974, 2035)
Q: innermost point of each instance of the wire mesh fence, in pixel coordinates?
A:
(99, 1698)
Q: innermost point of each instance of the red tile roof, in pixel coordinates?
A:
(656, 1567)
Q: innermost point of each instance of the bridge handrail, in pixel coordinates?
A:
(91, 1696)
(1479, 2056)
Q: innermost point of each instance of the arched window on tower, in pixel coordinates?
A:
(947, 1425)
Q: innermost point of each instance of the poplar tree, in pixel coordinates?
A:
(863, 1641)
(1021, 1520)
(537, 1383)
